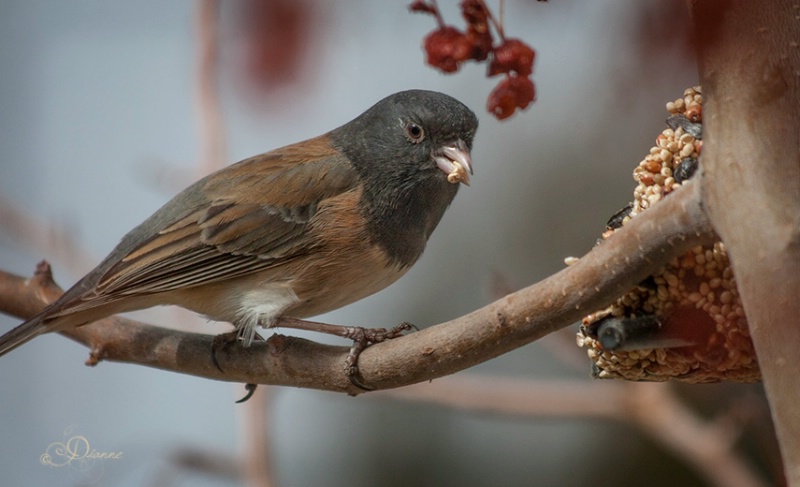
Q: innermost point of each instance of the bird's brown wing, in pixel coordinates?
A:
(248, 217)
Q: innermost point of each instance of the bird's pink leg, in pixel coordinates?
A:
(362, 338)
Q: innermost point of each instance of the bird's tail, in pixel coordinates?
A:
(22, 334)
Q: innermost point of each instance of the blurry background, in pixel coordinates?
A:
(102, 119)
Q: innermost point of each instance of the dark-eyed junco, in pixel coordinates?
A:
(289, 234)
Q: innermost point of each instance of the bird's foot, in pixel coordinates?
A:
(220, 342)
(362, 338)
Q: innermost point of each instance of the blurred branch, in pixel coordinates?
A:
(706, 445)
(45, 236)
(255, 436)
(653, 408)
(632, 253)
(209, 110)
(253, 430)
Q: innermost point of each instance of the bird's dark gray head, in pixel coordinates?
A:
(411, 135)
(411, 150)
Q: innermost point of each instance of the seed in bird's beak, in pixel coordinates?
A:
(455, 161)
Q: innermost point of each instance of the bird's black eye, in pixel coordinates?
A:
(414, 132)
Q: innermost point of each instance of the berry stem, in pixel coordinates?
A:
(498, 24)
(501, 10)
(437, 13)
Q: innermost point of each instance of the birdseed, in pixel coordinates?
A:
(694, 295)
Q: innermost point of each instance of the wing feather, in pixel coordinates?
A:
(252, 216)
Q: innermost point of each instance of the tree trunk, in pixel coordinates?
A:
(749, 62)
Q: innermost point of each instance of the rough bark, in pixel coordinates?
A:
(749, 62)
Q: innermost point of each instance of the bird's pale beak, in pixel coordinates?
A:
(454, 160)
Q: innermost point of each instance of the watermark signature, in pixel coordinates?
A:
(76, 454)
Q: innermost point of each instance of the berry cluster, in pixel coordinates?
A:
(448, 47)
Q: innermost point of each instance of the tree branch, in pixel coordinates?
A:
(632, 253)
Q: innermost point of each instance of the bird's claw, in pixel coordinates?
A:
(222, 340)
(362, 338)
(250, 388)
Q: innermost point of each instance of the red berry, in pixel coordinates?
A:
(447, 47)
(477, 16)
(480, 36)
(512, 93)
(512, 55)
(480, 45)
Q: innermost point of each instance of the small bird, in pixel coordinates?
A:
(289, 234)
